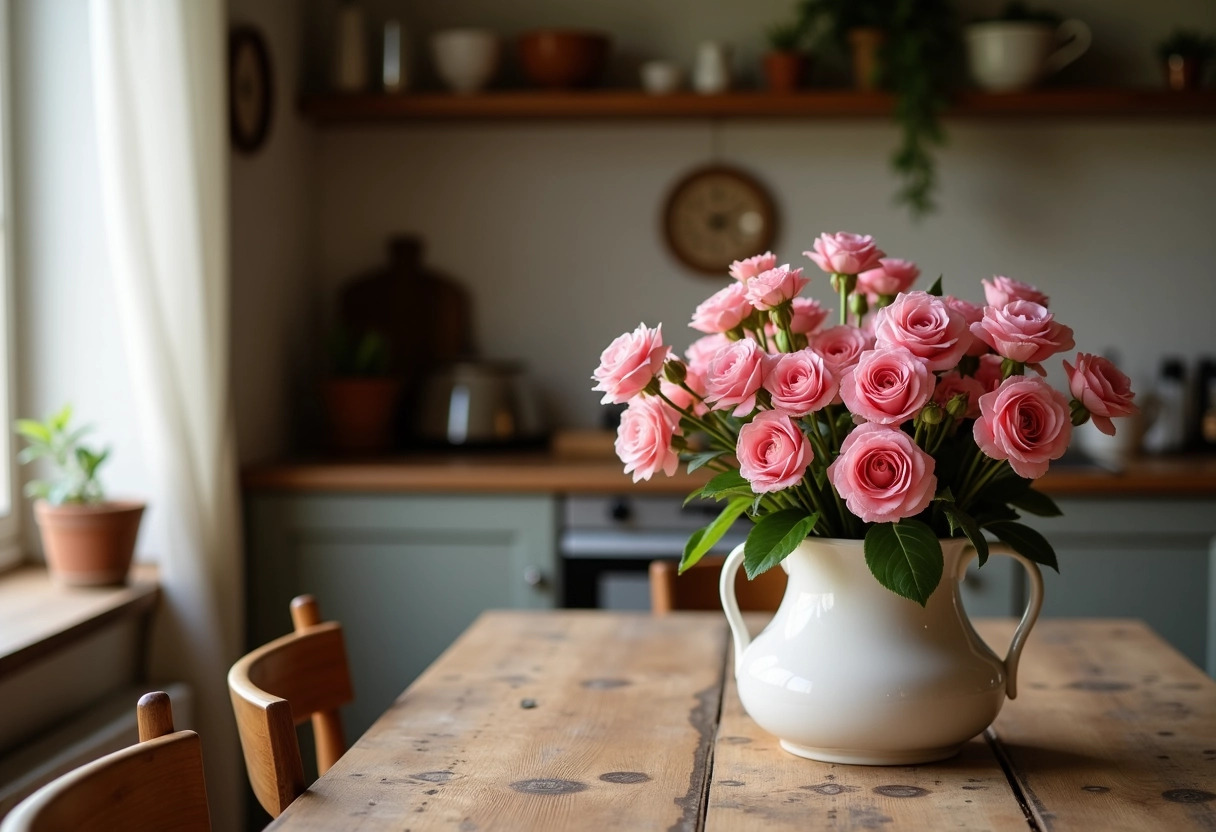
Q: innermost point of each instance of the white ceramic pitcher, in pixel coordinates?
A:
(849, 672)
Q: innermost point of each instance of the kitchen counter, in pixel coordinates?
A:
(582, 463)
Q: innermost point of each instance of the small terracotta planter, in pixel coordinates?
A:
(361, 413)
(783, 71)
(1184, 72)
(866, 42)
(89, 545)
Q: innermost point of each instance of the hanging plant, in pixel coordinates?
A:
(917, 63)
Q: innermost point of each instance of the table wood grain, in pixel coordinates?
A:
(596, 720)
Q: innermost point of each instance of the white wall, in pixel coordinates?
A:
(69, 348)
(273, 298)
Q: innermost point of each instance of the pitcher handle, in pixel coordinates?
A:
(730, 605)
(1031, 614)
(1076, 37)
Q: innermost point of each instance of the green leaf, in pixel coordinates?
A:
(33, 452)
(37, 489)
(33, 430)
(1037, 503)
(1026, 542)
(696, 461)
(728, 483)
(59, 421)
(905, 557)
(936, 288)
(775, 536)
(702, 540)
(961, 520)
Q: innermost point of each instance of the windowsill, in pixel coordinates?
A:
(38, 616)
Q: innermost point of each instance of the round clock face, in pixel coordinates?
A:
(716, 215)
(249, 89)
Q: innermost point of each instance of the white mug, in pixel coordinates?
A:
(466, 59)
(1014, 55)
(661, 77)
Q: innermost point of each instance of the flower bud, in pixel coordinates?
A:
(858, 304)
(931, 414)
(957, 406)
(675, 371)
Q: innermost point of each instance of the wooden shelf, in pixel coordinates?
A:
(632, 104)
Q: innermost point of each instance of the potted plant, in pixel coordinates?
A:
(784, 62)
(910, 50)
(871, 458)
(1185, 54)
(88, 540)
(360, 395)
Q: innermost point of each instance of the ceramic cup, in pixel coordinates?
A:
(465, 59)
(661, 77)
(711, 71)
(1014, 55)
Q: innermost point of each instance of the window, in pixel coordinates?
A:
(10, 547)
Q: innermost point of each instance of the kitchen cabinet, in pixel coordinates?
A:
(404, 574)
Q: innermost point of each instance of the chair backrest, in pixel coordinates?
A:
(280, 685)
(154, 785)
(697, 588)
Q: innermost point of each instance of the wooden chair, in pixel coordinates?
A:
(282, 684)
(154, 785)
(697, 589)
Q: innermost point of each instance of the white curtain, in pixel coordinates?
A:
(159, 90)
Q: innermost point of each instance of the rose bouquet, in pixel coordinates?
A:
(917, 417)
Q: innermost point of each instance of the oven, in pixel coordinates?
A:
(606, 544)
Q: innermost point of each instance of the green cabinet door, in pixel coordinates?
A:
(405, 575)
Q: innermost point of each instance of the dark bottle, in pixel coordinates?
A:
(1205, 405)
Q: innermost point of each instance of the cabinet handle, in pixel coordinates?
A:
(533, 576)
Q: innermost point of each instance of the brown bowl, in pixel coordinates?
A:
(563, 58)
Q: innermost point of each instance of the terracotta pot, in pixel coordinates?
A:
(866, 42)
(361, 413)
(89, 545)
(783, 71)
(1183, 72)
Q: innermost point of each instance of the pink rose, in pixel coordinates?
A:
(890, 278)
(882, 475)
(773, 453)
(799, 382)
(741, 270)
(678, 396)
(1023, 331)
(1026, 422)
(845, 253)
(1005, 290)
(775, 286)
(954, 384)
(926, 327)
(735, 373)
(630, 363)
(809, 315)
(989, 374)
(722, 311)
(1104, 390)
(841, 347)
(972, 313)
(643, 439)
(888, 386)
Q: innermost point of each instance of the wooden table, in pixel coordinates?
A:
(595, 721)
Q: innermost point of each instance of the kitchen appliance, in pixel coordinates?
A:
(607, 542)
(479, 404)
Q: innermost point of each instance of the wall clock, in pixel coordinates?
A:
(250, 88)
(716, 215)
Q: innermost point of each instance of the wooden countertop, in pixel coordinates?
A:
(582, 463)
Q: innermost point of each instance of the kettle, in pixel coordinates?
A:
(480, 403)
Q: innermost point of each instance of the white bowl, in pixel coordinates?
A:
(661, 77)
(465, 59)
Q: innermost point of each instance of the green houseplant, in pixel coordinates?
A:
(910, 49)
(1185, 54)
(360, 394)
(88, 540)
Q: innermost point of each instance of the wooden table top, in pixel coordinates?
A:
(593, 720)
